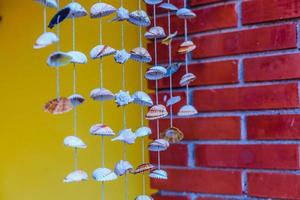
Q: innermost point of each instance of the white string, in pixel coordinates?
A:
(170, 63)
(45, 18)
(58, 48)
(186, 56)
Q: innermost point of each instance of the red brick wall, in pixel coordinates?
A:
(244, 143)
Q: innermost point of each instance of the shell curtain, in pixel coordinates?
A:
(157, 110)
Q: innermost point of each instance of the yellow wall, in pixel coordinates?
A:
(33, 158)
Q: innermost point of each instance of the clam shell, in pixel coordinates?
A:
(168, 6)
(157, 112)
(155, 32)
(101, 51)
(121, 56)
(143, 131)
(45, 40)
(104, 174)
(143, 168)
(185, 13)
(76, 176)
(75, 142)
(76, 99)
(139, 18)
(76, 10)
(126, 136)
(122, 14)
(172, 69)
(58, 59)
(123, 98)
(158, 145)
(140, 54)
(187, 79)
(156, 73)
(102, 130)
(99, 10)
(167, 41)
(173, 135)
(101, 94)
(48, 3)
(153, 2)
(173, 100)
(77, 57)
(159, 174)
(123, 167)
(58, 106)
(141, 98)
(143, 197)
(187, 110)
(186, 47)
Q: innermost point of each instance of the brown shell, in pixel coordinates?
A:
(186, 47)
(58, 106)
(173, 135)
(143, 168)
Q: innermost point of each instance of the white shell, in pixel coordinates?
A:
(142, 98)
(48, 3)
(140, 54)
(139, 18)
(152, 2)
(104, 174)
(187, 110)
(101, 50)
(75, 142)
(143, 197)
(159, 174)
(156, 73)
(185, 13)
(101, 94)
(121, 56)
(158, 145)
(123, 167)
(187, 79)
(157, 112)
(76, 99)
(45, 40)
(168, 6)
(59, 59)
(143, 131)
(155, 32)
(78, 57)
(102, 130)
(76, 176)
(76, 10)
(126, 136)
(122, 14)
(123, 98)
(168, 40)
(99, 10)
(173, 100)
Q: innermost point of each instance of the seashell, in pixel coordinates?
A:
(122, 14)
(123, 98)
(173, 135)
(158, 145)
(58, 59)
(45, 40)
(143, 168)
(185, 13)
(139, 18)
(126, 136)
(159, 174)
(58, 106)
(157, 112)
(155, 32)
(75, 142)
(143, 197)
(187, 110)
(76, 10)
(76, 99)
(186, 47)
(173, 100)
(172, 69)
(121, 56)
(99, 10)
(187, 79)
(76, 176)
(167, 41)
(153, 2)
(142, 98)
(102, 130)
(123, 167)
(104, 174)
(77, 57)
(168, 6)
(48, 3)
(156, 73)
(143, 131)
(101, 94)
(140, 54)
(101, 51)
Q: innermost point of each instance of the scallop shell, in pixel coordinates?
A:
(77, 57)
(102, 130)
(99, 10)
(58, 106)
(75, 142)
(121, 56)
(126, 136)
(156, 73)
(157, 112)
(187, 79)
(172, 69)
(122, 14)
(123, 98)
(58, 59)
(185, 13)
(104, 174)
(45, 40)
(167, 41)
(158, 145)
(141, 98)
(187, 110)
(139, 18)
(168, 6)
(101, 51)
(143, 197)
(173, 135)
(159, 174)
(143, 131)
(48, 3)
(153, 2)
(186, 47)
(76, 176)
(173, 100)
(101, 94)
(140, 54)
(123, 167)
(143, 168)
(76, 10)
(155, 32)
(76, 99)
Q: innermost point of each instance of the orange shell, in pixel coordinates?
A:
(58, 106)
(186, 47)
(143, 168)
(172, 135)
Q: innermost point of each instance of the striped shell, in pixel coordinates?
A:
(99, 10)
(186, 47)
(58, 106)
(144, 168)
(101, 51)
(159, 174)
(139, 18)
(59, 59)
(157, 112)
(187, 79)
(102, 130)
(140, 54)
(45, 40)
(155, 73)
(172, 135)
(76, 176)
(104, 174)
(101, 94)
(187, 110)
(158, 145)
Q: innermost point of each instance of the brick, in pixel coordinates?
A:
(163, 95)
(160, 197)
(246, 41)
(273, 127)
(203, 198)
(258, 156)
(248, 98)
(203, 128)
(201, 2)
(274, 185)
(282, 67)
(255, 11)
(176, 155)
(213, 73)
(189, 180)
(177, 3)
